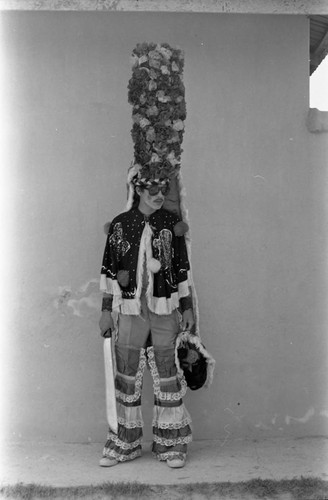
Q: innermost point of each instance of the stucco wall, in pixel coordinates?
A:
(256, 185)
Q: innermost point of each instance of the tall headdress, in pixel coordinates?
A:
(157, 94)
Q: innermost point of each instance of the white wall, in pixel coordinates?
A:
(256, 184)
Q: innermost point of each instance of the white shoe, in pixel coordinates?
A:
(176, 462)
(107, 462)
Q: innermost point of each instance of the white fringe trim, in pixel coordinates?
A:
(107, 285)
(193, 339)
(132, 307)
(183, 288)
(129, 202)
(157, 305)
(162, 305)
(185, 218)
(144, 241)
(182, 196)
(131, 173)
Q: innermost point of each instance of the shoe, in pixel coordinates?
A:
(107, 462)
(176, 462)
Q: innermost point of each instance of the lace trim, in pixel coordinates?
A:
(172, 442)
(169, 454)
(121, 458)
(121, 444)
(131, 398)
(130, 424)
(171, 425)
(164, 396)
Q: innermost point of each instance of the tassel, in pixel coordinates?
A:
(107, 227)
(153, 265)
(180, 228)
(123, 278)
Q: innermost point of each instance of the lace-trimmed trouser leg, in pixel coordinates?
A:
(171, 420)
(126, 444)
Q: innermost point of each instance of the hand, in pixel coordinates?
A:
(106, 323)
(187, 319)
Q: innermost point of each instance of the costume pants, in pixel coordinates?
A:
(141, 339)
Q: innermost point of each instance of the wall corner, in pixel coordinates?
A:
(317, 121)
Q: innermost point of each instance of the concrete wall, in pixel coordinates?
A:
(256, 184)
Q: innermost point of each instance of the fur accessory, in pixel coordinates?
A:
(194, 361)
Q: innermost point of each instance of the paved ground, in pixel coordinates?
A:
(61, 464)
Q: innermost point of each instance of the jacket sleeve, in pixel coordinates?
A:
(108, 275)
(181, 265)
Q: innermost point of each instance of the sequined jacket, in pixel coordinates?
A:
(138, 244)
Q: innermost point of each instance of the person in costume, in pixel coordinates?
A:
(145, 277)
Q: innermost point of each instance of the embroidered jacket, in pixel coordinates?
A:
(133, 242)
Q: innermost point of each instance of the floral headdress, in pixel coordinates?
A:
(157, 94)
